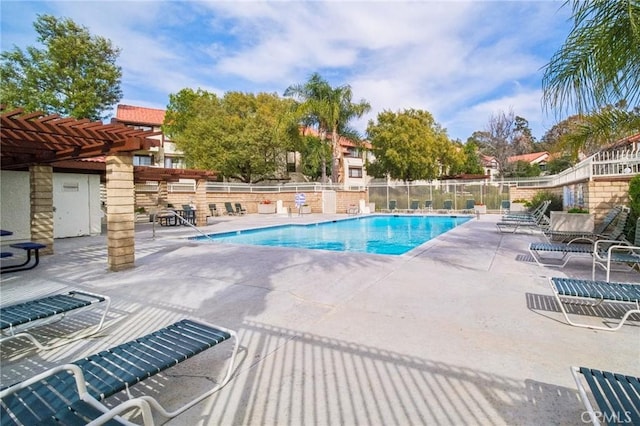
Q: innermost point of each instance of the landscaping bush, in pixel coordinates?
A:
(542, 196)
(634, 205)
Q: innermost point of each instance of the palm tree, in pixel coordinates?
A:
(599, 63)
(330, 109)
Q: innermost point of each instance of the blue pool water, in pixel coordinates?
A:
(394, 235)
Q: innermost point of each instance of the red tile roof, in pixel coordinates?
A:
(140, 115)
(343, 141)
(529, 158)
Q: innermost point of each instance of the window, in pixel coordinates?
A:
(353, 152)
(142, 160)
(355, 172)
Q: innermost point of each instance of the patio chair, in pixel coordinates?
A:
(16, 319)
(167, 217)
(392, 205)
(616, 395)
(540, 224)
(415, 206)
(447, 206)
(609, 219)
(505, 206)
(537, 220)
(229, 208)
(621, 252)
(188, 213)
(239, 209)
(470, 206)
(531, 216)
(571, 291)
(213, 209)
(70, 394)
(579, 247)
(428, 205)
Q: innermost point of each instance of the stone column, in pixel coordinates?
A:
(162, 194)
(41, 184)
(202, 208)
(120, 212)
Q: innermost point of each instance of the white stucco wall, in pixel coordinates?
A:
(15, 205)
(76, 201)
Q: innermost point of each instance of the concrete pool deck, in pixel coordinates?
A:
(462, 330)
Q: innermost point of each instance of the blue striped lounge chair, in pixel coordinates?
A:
(624, 253)
(17, 320)
(608, 221)
(572, 290)
(559, 254)
(616, 396)
(74, 393)
(536, 220)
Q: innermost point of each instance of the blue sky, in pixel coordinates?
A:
(460, 60)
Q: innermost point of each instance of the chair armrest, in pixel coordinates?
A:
(625, 248)
(135, 403)
(613, 243)
(76, 372)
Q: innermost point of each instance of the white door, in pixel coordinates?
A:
(329, 202)
(71, 212)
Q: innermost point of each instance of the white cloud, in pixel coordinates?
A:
(461, 61)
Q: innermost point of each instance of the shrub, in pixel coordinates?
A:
(634, 206)
(577, 210)
(542, 196)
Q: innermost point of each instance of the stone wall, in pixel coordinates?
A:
(249, 200)
(600, 195)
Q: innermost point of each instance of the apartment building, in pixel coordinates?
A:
(166, 155)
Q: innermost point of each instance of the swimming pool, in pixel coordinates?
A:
(385, 234)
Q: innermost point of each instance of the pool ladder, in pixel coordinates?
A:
(184, 222)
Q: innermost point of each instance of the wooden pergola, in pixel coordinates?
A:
(35, 141)
(35, 138)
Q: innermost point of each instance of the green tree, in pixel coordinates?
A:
(472, 164)
(74, 75)
(559, 164)
(410, 145)
(241, 135)
(330, 109)
(593, 131)
(599, 63)
(523, 169)
(551, 139)
(523, 141)
(313, 153)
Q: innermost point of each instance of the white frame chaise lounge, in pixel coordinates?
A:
(17, 319)
(571, 291)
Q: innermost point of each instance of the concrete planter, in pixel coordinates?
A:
(266, 208)
(517, 207)
(572, 222)
(306, 209)
(481, 209)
